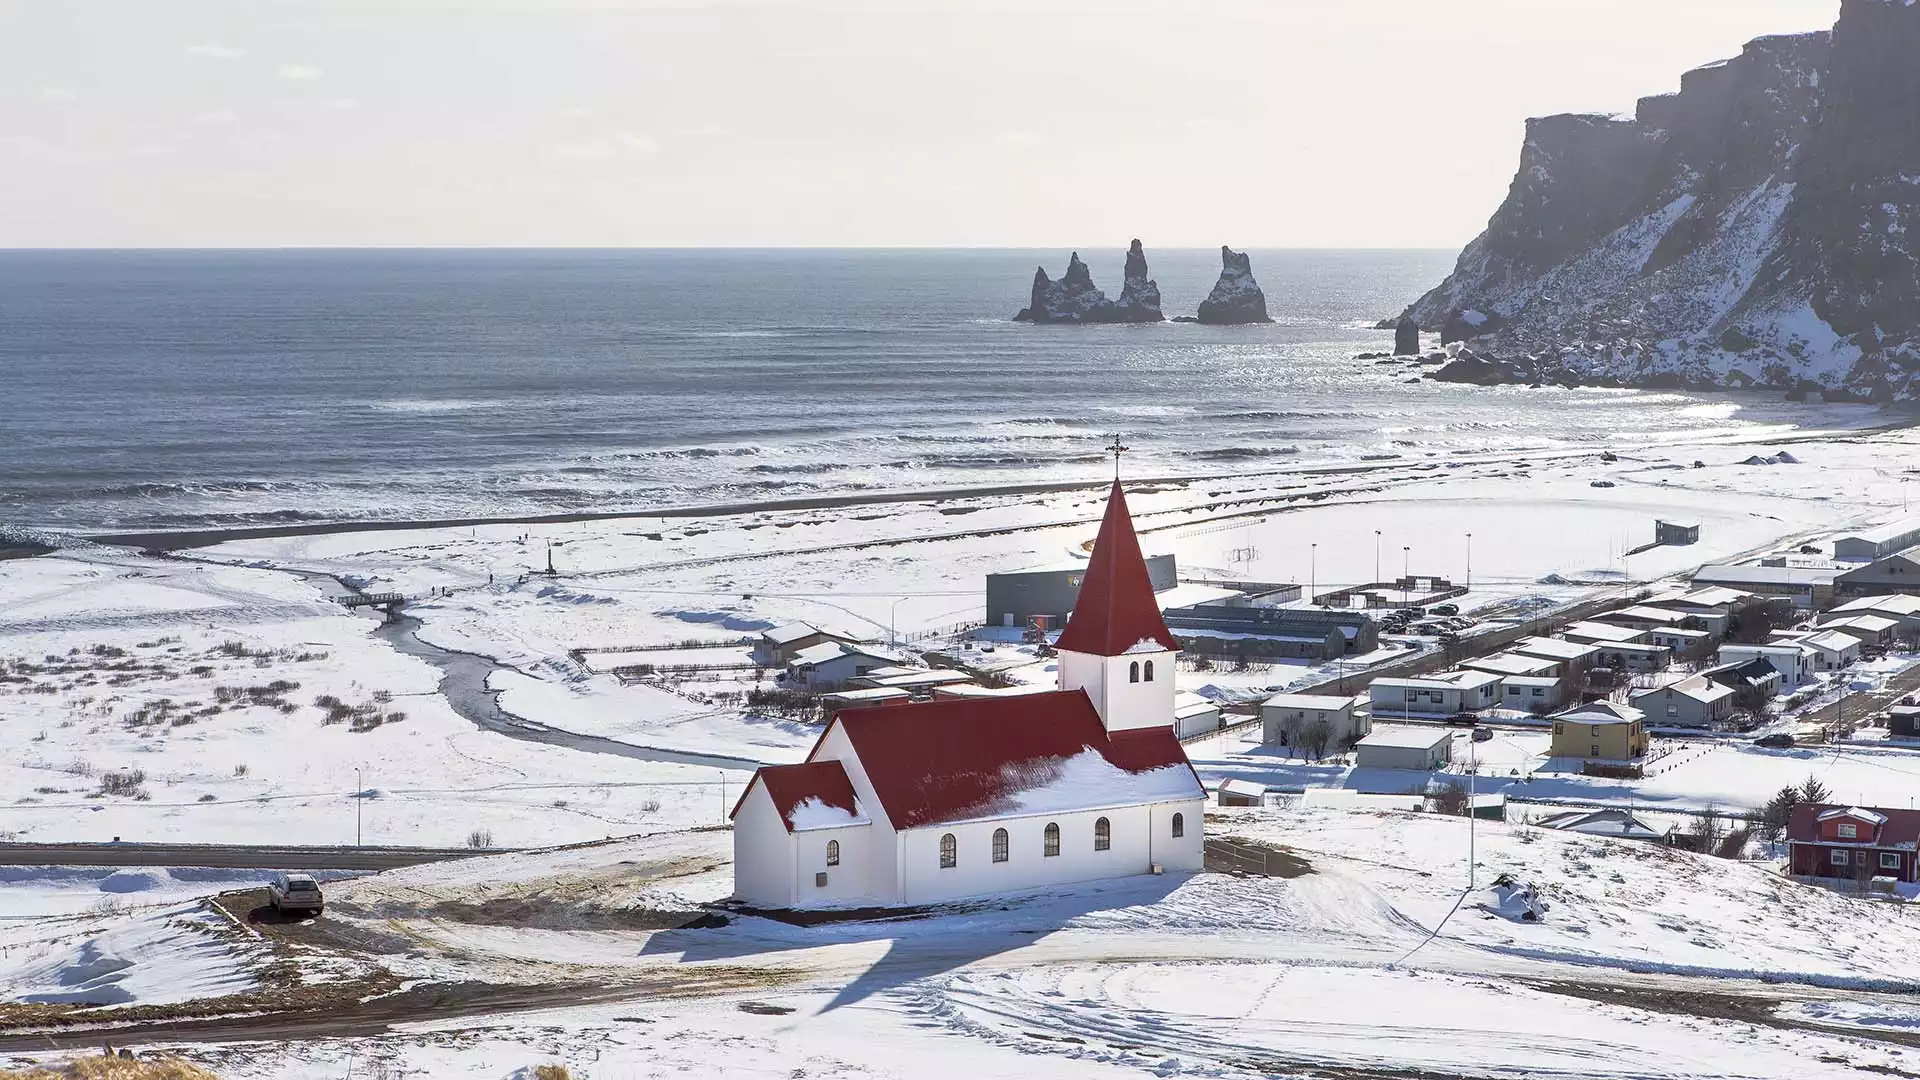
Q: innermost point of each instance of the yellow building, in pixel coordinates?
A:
(1603, 730)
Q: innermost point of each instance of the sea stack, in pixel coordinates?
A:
(1236, 298)
(1406, 337)
(1075, 298)
(1139, 295)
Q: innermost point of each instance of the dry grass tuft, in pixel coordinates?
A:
(106, 1068)
(552, 1072)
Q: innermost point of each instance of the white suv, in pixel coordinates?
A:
(294, 892)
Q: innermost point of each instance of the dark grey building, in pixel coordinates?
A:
(1047, 593)
(1258, 631)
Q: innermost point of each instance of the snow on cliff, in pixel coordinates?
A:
(1753, 229)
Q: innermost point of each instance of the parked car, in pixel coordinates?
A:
(295, 892)
(1446, 609)
(1777, 741)
(1482, 734)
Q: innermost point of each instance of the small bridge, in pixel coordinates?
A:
(388, 602)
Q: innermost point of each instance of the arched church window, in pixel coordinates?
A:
(949, 852)
(1102, 835)
(1050, 840)
(1149, 677)
(1133, 671)
(1179, 826)
(999, 845)
(833, 852)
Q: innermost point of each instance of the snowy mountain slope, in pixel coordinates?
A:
(1750, 230)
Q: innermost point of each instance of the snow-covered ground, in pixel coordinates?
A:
(162, 957)
(1370, 960)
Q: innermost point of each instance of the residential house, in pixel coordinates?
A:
(1444, 694)
(912, 680)
(860, 699)
(1853, 843)
(1600, 633)
(1794, 664)
(1284, 715)
(776, 647)
(1831, 649)
(1810, 587)
(1874, 631)
(1508, 663)
(963, 797)
(1194, 715)
(1644, 617)
(1634, 656)
(1697, 702)
(1903, 722)
(1682, 642)
(1394, 747)
(1902, 608)
(833, 665)
(1575, 657)
(1535, 694)
(1755, 682)
(1618, 824)
(1602, 730)
(1711, 598)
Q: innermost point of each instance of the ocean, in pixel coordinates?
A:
(177, 389)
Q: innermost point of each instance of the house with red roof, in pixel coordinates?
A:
(1854, 842)
(964, 797)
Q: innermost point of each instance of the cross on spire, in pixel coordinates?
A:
(1116, 450)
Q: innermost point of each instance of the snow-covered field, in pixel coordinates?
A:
(193, 699)
(1369, 961)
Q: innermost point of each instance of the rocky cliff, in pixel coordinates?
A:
(1236, 298)
(1755, 228)
(1075, 298)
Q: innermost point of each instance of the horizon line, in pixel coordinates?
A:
(5, 249)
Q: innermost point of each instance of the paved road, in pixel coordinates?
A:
(225, 856)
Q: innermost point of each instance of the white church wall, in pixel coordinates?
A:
(883, 875)
(1027, 866)
(851, 882)
(762, 852)
(1187, 851)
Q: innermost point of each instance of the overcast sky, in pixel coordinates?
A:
(1260, 123)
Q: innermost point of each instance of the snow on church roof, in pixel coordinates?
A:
(959, 759)
(811, 795)
(1116, 611)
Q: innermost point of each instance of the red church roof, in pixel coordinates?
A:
(1116, 609)
(792, 785)
(961, 758)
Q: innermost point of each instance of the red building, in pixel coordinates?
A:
(1854, 843)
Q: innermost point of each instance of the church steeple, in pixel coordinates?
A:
(1116, 646)
(1116, 609)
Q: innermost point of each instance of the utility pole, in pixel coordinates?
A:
(359, 800)
(1313, 572)
(1473, 791)
(1469, 562)
(893, 639)
(723, 793)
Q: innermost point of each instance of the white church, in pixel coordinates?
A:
(967, 797)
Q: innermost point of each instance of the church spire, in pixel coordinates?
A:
(1116, 609)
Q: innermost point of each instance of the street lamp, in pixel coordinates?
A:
(1406, 560)
(359, 800)
(1313, 571)
(1469, 562)
(1376, 556)
(893, 639)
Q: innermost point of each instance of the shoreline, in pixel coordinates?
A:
(165, 540)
